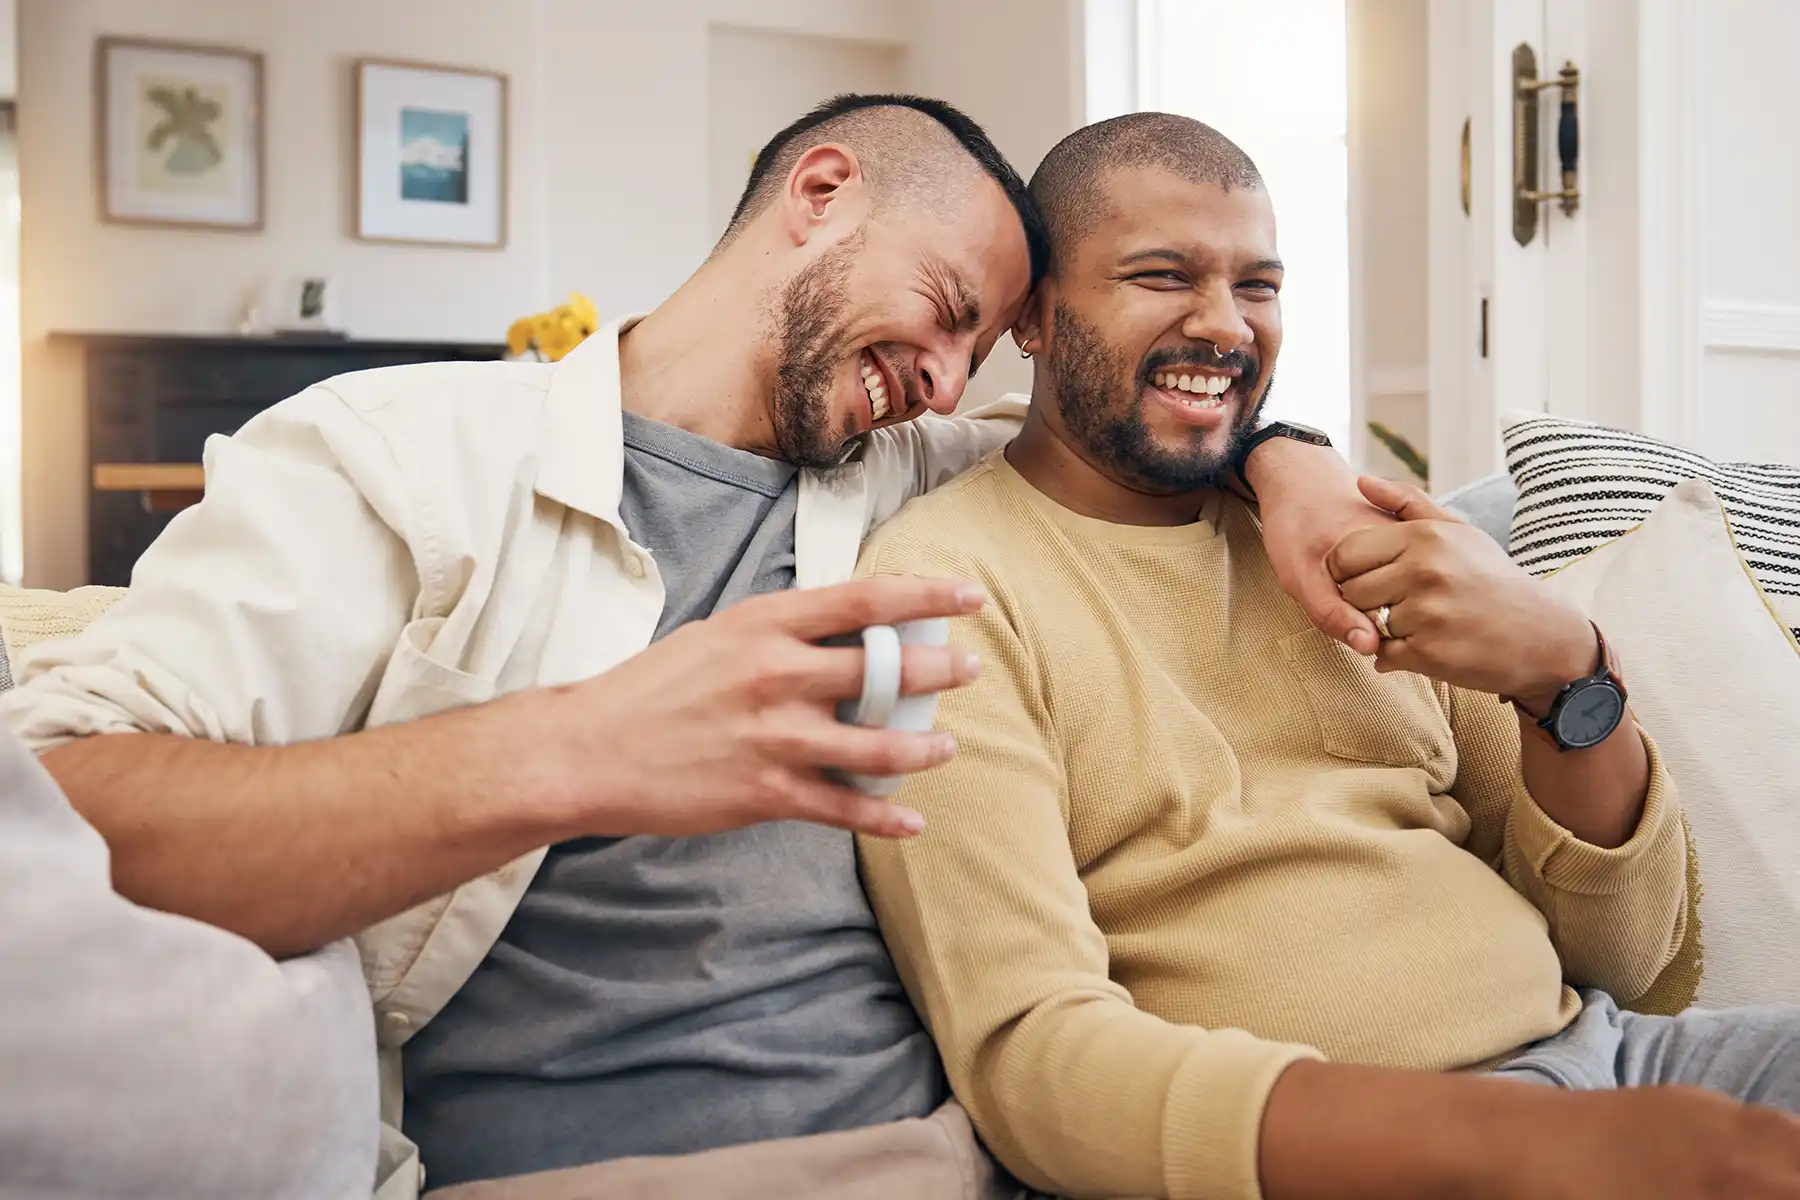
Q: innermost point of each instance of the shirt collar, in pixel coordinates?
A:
(581, 455)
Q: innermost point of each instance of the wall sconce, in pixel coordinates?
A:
(1526, 89)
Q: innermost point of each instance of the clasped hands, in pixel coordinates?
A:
(1458, 609)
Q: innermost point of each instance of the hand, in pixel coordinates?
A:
(730, 721)
(1643, 1143)
(1459, 610)
(1309, 503)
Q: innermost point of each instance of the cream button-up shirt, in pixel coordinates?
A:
(394, 543)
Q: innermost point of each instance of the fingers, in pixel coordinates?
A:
(844, 807)
(1396, 654)
(1361, 552)
(821, 742)
(813, 613)
(1319, 596)
(1403, 500)
(837, 674)
(1384, 585)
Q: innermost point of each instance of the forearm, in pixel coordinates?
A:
(295, 846)
(1332, 1131)
(1596, 794)
(1278, 460)
(1617, 913)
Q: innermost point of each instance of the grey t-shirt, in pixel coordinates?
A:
(668, 995)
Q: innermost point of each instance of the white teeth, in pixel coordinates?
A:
(1218, 385)
(872, 384)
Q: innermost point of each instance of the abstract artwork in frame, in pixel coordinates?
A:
(180, 134)
(431, 154)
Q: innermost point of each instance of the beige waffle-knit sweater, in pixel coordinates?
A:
(1189, 839)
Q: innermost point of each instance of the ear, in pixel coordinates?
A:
(825, 181)
(1033, 320)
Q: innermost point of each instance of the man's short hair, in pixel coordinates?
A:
(900, 153)
(1069, 186)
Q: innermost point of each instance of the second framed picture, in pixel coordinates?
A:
(431, 154)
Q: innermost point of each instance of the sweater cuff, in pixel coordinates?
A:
(1212, 1125)
(1568, 864)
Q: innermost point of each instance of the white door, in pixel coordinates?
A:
(1669, 300)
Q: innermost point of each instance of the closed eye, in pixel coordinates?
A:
(1160, 277)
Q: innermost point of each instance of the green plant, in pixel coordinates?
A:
(1403, 450)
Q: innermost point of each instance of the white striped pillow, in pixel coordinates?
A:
(1581, 486)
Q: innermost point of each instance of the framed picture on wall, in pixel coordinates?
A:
(180, 134)
(431, 154)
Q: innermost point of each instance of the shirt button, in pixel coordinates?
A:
(396, 1022)
(634, 566)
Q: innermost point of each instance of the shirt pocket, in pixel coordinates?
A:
(417, 683)
(1365, 716)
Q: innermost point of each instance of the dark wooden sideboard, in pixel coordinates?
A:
(152, 401)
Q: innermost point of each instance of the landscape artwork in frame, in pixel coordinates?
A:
(431, 154)
(180, 134)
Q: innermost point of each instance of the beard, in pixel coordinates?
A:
(1100, 396)
(811, 332)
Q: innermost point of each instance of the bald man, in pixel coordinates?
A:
(1211, 906)
(504, 669)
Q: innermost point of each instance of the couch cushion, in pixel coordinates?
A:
(1582, 485)
(32, 615)
(1715, 679)
(1486, 504)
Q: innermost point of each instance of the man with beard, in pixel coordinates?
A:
(1210, 905)
(550, 606)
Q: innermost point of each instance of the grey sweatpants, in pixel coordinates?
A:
(1750, 1053)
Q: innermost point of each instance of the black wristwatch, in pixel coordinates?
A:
(1587, 711)
(1274, 429)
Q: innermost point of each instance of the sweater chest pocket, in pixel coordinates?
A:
(1365, 716)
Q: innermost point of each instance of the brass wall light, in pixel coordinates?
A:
(1526, 89)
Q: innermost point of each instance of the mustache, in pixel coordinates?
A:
(1242, 361)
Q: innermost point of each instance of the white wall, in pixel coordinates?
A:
(1015, 66)
(9, 48)
(1749, 95)
(758, 80)
(608, 171)
(626, 104)
(1388, 189)
(78, 273)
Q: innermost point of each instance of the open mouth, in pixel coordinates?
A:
(1196, 390)
(882, 389)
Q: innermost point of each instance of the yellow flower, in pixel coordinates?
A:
(519, 335)
(561, 336)
(585, 314)
(553, 334)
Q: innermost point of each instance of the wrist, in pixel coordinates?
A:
(1274, 458)
(546, 796)
(1570, 653)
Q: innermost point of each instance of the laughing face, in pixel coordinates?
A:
(892, 321)
(1162, 326)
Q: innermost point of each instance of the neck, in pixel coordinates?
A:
(696, 362)
(1050, 462)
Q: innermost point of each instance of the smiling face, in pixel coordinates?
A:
(892, 318)
(1161, 327)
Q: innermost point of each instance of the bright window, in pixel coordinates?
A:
(1270, 76)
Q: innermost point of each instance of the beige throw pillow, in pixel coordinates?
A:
(1715, 679)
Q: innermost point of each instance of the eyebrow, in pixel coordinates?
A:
(963, 299)
(1163, 252)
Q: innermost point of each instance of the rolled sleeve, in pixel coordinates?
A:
(1656, 849)
(263, 614)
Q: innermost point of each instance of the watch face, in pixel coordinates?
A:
(1590, 715)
